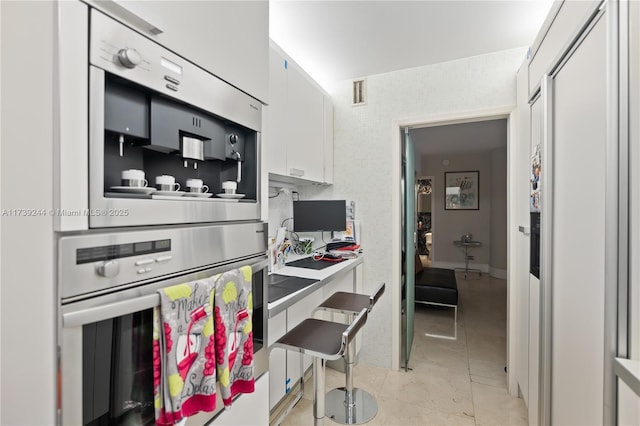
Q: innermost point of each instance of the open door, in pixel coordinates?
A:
(409, 225)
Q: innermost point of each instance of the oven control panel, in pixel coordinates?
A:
(95, 263)
(106, 257)
(116, 251)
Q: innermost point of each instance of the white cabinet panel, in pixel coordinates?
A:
(277, 359)
(628, 401)
(534, 349)
(275, 140)
(305, 146)
(519, 192)
(578, 217)
(299, 142)
(248, 409)
(295, 315)
(328, 140)
(230, 39)
(346, 283)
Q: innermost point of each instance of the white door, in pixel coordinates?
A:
(573, 222)
(627, 368)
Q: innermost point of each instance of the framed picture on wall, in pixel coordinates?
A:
(462, 190)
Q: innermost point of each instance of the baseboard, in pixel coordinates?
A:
(460, 265)
(498, 273)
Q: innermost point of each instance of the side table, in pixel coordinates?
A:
(465, 245)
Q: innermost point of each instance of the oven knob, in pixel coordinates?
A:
(108, 269)
(129, 57)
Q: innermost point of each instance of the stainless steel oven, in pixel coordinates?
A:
(154, 114)
(108, 284)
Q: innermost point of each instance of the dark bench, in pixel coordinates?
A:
(437, 286)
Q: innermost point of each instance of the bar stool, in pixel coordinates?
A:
(349, 405)
(324, 341)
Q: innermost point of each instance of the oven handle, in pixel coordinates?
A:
(117, 309)
(112, 310)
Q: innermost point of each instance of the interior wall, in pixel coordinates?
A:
(498, 254)
(450, 225)
(363, 164)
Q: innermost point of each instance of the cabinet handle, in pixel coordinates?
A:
(524, 229)
(296, 172)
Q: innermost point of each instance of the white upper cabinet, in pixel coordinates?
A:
(299, 146)
(275, 145)
(305, 150)
(230, 39)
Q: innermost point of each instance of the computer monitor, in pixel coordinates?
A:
(319, 215)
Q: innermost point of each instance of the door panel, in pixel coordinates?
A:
(628, 409)
(578, 217)
(409, 240)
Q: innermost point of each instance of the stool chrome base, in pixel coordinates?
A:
(364, 409)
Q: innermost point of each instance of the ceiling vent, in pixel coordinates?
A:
(359, 92)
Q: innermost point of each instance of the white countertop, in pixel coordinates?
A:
(322, 276)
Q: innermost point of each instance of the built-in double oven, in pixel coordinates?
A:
(172, 182)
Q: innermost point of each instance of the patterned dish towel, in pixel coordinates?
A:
(233, 333)
(183, 352)
(188, 345)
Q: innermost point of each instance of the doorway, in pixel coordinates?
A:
(444, 120)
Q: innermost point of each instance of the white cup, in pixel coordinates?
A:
(167, 183)
(196, 185)
(229, 186)
(133, 177)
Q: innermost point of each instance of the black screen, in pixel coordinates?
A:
(534, 262)
(319, 215)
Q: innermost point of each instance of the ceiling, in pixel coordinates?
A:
(336, 40)
(463, 138)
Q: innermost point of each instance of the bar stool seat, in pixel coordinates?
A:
(349, 405)
(324, 341)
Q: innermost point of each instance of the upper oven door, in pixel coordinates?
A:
(154, 112)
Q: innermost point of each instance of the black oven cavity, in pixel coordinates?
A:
(147, 131)
(117, 364)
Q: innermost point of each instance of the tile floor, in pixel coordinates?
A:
(459, 382)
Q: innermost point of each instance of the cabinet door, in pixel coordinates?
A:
(277, 360)
(295, 315)
(328, 140)
(230, 39)
(347, 284)
(305, 147)
(248, 409)
(579, 107)
(276, 137)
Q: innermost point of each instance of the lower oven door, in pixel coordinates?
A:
(106, 367)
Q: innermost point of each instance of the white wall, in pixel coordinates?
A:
(487, 224)
(450, 225)
(363, 153)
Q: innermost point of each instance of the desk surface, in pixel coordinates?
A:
(323, 276)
